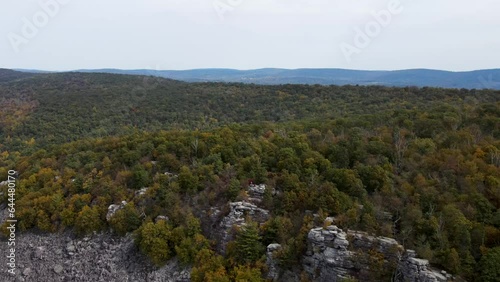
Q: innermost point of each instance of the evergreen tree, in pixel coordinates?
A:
(249, 247)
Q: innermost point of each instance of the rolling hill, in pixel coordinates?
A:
(63, 107)
(480, 79)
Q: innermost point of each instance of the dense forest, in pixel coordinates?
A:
(421, 165)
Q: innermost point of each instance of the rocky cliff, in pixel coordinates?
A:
(413, 269)
(101, 257)
(332, 253)
(335, 255)
(239, 213)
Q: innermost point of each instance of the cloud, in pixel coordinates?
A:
(179, 34)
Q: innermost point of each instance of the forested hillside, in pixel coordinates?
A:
(421, 165)
(56, 108)
(479, 79)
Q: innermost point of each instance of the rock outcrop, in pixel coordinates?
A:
(273, 269)
(236, 218)
(334, 255)
(256, 192)
(327, 257)
(161, 217)
(412, 269)
(112, 209)
(141, 192)
(389, 247)
(101, 257)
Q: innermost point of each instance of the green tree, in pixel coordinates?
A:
(209, 267)
(189, 247)
(154, 240)
(126, 219)
(88, 220)
(489, 270)
(348, 182)
(247, 274)
(374, 178)
(457, 227)
(249, 247)
(233, 189)
(140, 177)
(42, 221)
(188, 182)
(452, 262)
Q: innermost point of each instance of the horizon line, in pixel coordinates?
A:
(234, 69)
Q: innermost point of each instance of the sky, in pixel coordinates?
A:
(456, 35)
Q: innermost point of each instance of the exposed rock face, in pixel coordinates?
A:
(112, 209)
(241, 209)
(102, 257)
(362, 241)
(171, 175)
(327, 257)
(333, 255)
(256, 192)
(412, 269)
(161, 217)
(141, 192)
(236, 217)
(273, 272)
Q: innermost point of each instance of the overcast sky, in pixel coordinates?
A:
(248, 34)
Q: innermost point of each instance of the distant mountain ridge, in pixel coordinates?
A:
(10, 75)
(479, 79)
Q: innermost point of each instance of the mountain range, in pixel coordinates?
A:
(479, 79)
